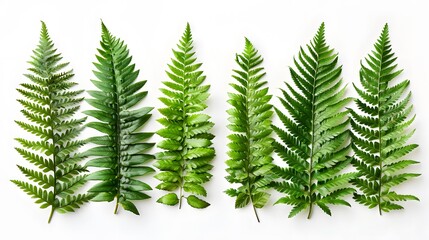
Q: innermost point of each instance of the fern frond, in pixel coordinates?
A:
(121, 149)
(250, 145)
(380, 130)
(315, 140)
(187, 144)
(44, 100)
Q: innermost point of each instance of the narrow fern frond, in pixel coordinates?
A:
(121, 149)
(380, 130)
(188, 152)
(315, 140)
(44, 100)
(250, 145)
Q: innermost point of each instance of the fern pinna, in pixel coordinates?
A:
(315, 141)
(122, 149)
(380, 130)
(185, 161)
(250, 145)
(49, 104)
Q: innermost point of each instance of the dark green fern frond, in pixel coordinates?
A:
(185, 161)
(250, 145)
(315, 141)
(49, 105)
(121, 151)
(380, 130)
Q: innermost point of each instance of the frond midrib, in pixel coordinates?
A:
(183, 152)
(111, 41)
(249, 136)
(55, 152)
(379, 127)
(313, 117)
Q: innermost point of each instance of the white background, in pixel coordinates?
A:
(151, 29)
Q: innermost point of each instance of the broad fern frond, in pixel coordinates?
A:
(185, 161)
(122, 149)
(250, 145)
(49, 105)
(380, 130)
(315, 141)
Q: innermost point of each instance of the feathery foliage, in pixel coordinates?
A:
(49, 104)
(121, 150)
(315, 142)
(380, 130)
(250, 145)
(185, 161)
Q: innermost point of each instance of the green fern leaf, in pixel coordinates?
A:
(315, 141)
(250, 145)
(380, 130)
(120, 150)
(46, 100)
(185, 163)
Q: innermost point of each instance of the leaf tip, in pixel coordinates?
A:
(247, 41)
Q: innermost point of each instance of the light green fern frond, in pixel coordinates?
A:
(49, 105)
(185, 161)
(250, 145)
(380, 130)
(315, 141)
(122, 149)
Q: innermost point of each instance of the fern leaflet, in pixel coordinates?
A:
(121, 151)
(250, 145)
(49, 104)
(315, 141)
(380, 130)
(185, 161)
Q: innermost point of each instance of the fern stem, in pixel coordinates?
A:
(180, 196)
(116, 206)
(249, 150)
(256, 212)
(51, 214)
(379, 208)
(310, 210)
(379, 132)
(117, 125)
(54, 160)
(184, 127)
(313, 117)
